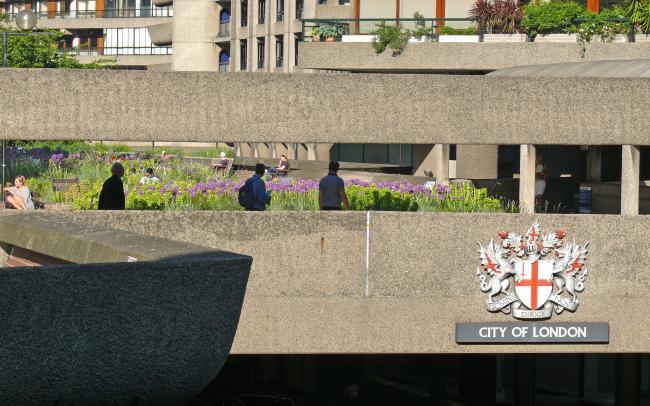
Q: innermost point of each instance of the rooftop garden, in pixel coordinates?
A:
(194, 186)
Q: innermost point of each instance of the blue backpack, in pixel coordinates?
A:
(247, 195)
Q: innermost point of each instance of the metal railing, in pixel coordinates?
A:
(107, 13)
(224, 29)
(118, 51)
(279, 60)
(426, 29)
(224, 67)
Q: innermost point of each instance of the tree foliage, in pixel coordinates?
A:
(43, 49)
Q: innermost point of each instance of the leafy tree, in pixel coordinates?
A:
(43, 49)
(639, 12)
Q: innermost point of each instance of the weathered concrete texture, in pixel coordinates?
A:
(431, 56)
(477, 161)
(635, 68)
(195, 24)
(307, 287)
(527, 155)
(631, 162)
(95, 23)
(152, 333)
(150, 61)
(180, 106)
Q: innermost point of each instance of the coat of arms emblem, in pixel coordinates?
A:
(547, 273)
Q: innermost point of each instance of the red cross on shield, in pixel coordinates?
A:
(535, 282)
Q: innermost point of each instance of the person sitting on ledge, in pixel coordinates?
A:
(112, 194)
(222, 163)
(149, 178)
(18, 196)
(282, 169)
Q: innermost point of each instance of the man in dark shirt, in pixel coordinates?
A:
(112, 194)
(282, 168)
(262, 198)
(331, 190)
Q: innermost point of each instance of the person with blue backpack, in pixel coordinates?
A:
(253, 195)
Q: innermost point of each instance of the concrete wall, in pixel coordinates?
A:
(196, 23)
(313, 291)
(95, 23)
(459, 56)
(419, 109)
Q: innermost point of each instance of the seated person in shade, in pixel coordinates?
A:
(282, 169)
(149, 178)
(18, 196)
(222, 163)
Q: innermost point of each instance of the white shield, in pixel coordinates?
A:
(535, 282)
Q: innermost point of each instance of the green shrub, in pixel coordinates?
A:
(374, 198)
(639, 12)
(328, 31)
(551, 17)
(390, 36)
(446, 30)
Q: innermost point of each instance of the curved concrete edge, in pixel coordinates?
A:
(359, 108)
(635, 68)
(161, 34)
(163, 3)
(151, 333)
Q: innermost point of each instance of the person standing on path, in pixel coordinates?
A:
(112, 194)
(257, 197)
(331, 190)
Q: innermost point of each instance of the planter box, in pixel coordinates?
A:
(458, 38)
(505, 38)
(641, 38)
(357, 38)
(618, 38)
(424, 38)
(559, 38)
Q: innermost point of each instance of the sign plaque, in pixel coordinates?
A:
(532, 332)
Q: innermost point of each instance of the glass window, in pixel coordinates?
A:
(260, 53)
(243, 55)
(279, 51)
(244, 13)
(279, 14)
(300, 4)
(261, 11)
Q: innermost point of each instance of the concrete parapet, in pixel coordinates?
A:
(382, 282)
(465, 109)
(99, 23)
(436, 56)
(154, 332)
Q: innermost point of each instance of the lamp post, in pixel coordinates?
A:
(26, 21)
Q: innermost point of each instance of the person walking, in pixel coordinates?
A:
(331, 190)
(253, 195)
(112, 194)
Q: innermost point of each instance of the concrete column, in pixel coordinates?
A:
(594, 163)
(477, 161)
(527, 179)
(196, 23)
(434, 158)
(631, 164)
(311, 152)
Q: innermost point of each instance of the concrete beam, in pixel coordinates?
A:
(418, 270)
(99, 23)
(199, 106)
(631, 164)
(436, 56)
(527, 179)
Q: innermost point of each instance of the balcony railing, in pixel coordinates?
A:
(279, 16)
(224, 29)
(116, 51)
(224, 67)
(425, 30)
(107, 13)
(279, 60)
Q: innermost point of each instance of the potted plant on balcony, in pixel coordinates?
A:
(421, 33)
(390, 36)
(328, 31)
(450, 34)
(499, 20)
(315, 35)
(552, 21)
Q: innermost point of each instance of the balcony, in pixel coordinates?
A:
(224, 29)
(441, 48)
(149, 12)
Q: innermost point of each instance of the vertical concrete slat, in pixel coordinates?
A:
(441, 165)
(527, 179)
(630, 169)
